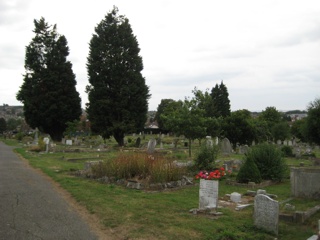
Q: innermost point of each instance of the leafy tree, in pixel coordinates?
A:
(48, 92)
(189, 120)
(281, 131)
(313, 122)
(13, 124)
(3, 125)
(220, 105)
(270, 116)
(203, 100)
(238, 128)
(165, 107)
(262, 132)
(299, 128)
(118, 95)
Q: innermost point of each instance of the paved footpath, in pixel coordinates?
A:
(30, 207)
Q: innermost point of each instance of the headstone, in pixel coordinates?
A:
(290, 143)
(208, 194)
(279, 142)
(216, 140)
(297, 151)
(63, 141)
(138, 142)
(209, 141)
(36, 137)
(151, 146)
(285, 142)
(266, 213)
(294, 142)
(69, 142)
(46, 140)
(226, 146)
(243, 149)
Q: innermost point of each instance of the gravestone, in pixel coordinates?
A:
(69, 142)
(285, 142)
(216, 140)
(225, 146)
(290, 143)
(279, 142)
(138, 142)
(266, 213)
(243, 149)
(209, 141)
(208, 194)
(151, 146)
(36, 137)
(46, 140)
(294, 142)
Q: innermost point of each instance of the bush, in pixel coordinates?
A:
(287, 151)
(268, 159)
(249, 172)
(205, 157)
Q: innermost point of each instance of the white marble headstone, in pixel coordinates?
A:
(208, 194)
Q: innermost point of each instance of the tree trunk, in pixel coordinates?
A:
(119, 137)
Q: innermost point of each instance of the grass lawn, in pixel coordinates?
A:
(136, 214)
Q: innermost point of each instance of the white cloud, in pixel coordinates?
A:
(266, 52)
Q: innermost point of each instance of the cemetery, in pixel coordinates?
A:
(151, 188)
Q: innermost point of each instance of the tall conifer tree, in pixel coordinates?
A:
(220, 106)
(118, 95)
(48, 92)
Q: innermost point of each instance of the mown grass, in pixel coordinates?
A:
(138, 214)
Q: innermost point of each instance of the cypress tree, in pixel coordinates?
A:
(48, 92)
(220, 105)
(117, 92)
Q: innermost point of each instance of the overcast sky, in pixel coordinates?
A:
(266, 52)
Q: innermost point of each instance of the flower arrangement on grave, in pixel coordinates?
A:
(214, 175)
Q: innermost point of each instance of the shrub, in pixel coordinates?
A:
(19, 136)
(249, 172)
(205, 157)
(287, 151)
(268, 159)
